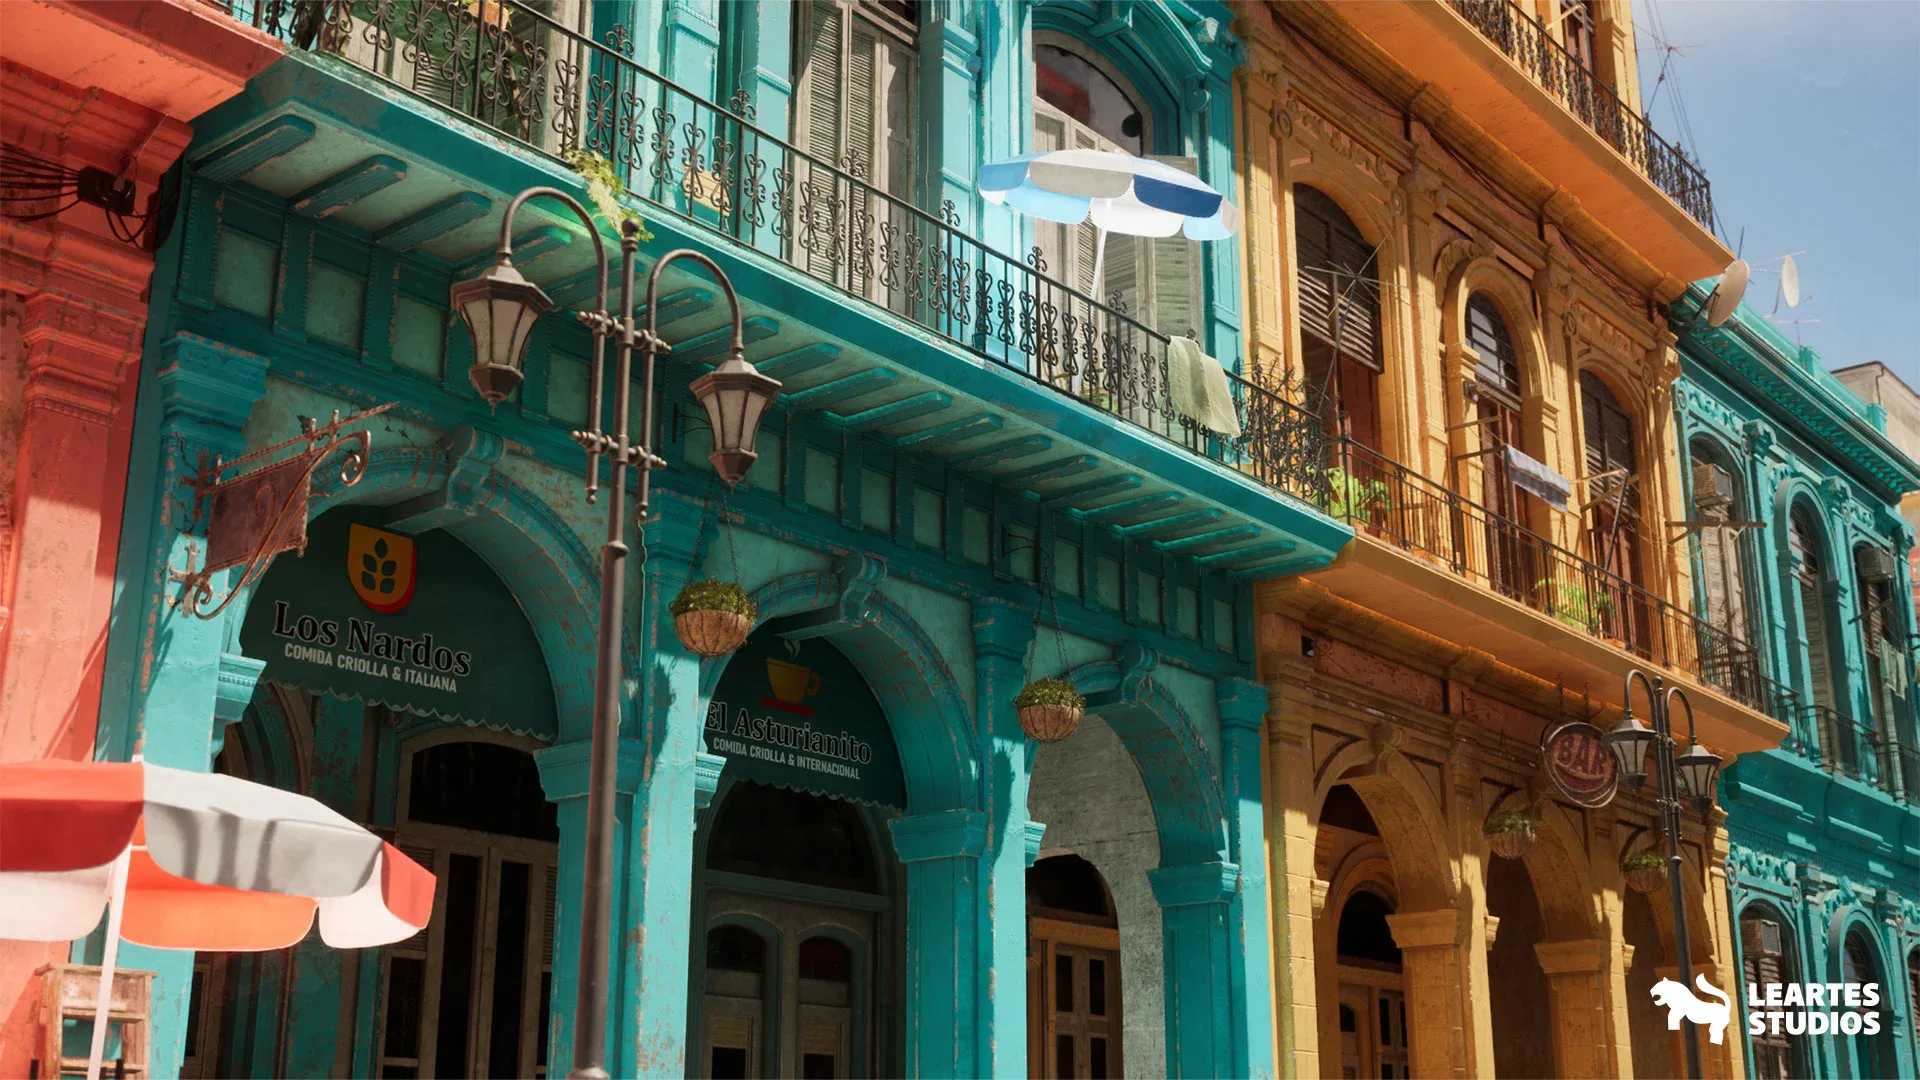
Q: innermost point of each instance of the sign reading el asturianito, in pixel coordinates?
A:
(797, 714)
(415, 623)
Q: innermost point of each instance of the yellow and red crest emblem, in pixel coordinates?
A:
(382, 567)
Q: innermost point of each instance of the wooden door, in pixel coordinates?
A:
(1077, 1009)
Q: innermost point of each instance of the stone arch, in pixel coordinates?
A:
(1488, 276)
(1405, 812)
(541, 559)
(1700, 925)
(272, 743)
(908, 675)
(1189, 808)
(1559, 871)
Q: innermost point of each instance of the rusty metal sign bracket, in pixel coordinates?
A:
(253, 516)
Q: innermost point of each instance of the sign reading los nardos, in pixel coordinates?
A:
(416, 623)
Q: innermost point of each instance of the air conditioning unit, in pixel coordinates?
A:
(1712, 487)
(1759, 938)
(1873, 564)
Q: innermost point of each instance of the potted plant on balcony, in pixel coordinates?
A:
(712, 617)
(1049, 709)
(1575, 604)
(1509, 833)
(1354, 499)
(1645, 870)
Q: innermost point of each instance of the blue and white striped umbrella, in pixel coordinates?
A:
(1113, 189)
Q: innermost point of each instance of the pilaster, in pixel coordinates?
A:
(1002, 635)
(1243, 711)
(945, 898)
(1197, 953)
(1436, 1004)
(1576, 971)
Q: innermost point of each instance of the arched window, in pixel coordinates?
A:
(1339, 285)
(1810, 574)
(1767, 956)
(1880, 635)
(1496, 397)
(1872, 1054)
(1613, 516)
(771, 832)
(1720, 563)
(1081, 101)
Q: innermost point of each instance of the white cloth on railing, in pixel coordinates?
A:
(1893, 666)
(1198, 388)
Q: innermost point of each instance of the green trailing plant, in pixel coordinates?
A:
(1644, 859)
(1349, 497)
(605, 190)
(714, 595)
(1050, 692)
(1508, 821)
(1575, 604)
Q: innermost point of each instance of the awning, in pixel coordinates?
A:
(1535, 478)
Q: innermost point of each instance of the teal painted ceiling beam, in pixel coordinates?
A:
(941, 435)
(701, 347)
(529, 247)
(1094, 489)
(349, 186)
(841, 389)
(1145, 504)
(273, 139)
(1177, 521)
(1051, 471)
(896, 412)
(442, 217)
(1247, 555)
(1001, 453)
(1209, 539)
(796, 362)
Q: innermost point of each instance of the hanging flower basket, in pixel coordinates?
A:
(1645, 871)
(1049, 709)
(712, 617)
(1509, 833)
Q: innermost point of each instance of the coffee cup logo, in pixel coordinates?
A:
(792, 683)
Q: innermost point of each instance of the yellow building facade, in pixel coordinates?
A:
(1460, 249)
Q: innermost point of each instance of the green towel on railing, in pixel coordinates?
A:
(1893, 662)
(1199, 390)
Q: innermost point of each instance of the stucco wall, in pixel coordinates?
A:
(1090, 796)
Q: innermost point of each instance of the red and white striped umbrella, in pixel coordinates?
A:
(186, 860)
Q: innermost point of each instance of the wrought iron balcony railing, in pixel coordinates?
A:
(1864, 752)
(1526, 41)
(555, 90)
(1395, 504)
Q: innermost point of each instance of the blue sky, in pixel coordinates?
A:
(1806, 116)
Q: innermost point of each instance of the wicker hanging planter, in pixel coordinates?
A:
(1509, 833)
(1049, 709)
(1645, 871)
(712, 617)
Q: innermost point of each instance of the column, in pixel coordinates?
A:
(1194, 914)
(205, 393)
(945, 895)
(1290, 843)
(563, 776)
(1576, 972)
(1243, 708)
(321, 974)
(1431, 962)
(1002, 633)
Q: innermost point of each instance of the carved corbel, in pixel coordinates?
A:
(856, 606)
(1386, 739)
(1318, 891)
(472, 455)
(1137, 664)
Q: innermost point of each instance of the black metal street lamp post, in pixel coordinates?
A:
(500, 308)
(1690, 777)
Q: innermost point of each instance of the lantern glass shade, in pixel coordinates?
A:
(735, 397)
(500, 308)
(1696, 773)
(1630, 740)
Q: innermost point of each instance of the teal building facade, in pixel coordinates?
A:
(838, 853)
(1804, 551)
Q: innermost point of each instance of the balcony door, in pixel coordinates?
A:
(1339, 290)
(1074, 1016)
(1612, 605)
(1511, 557)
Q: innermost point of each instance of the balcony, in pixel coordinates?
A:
(1450, 566)
(1502, 70)
(1848, 747)
(1026, 358)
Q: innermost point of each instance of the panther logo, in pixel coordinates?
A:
(1680, 1002)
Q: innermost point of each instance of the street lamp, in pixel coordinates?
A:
(1690, 778)
(500, 308)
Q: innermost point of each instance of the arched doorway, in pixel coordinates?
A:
(1520, 1001)
(469, 995)
(1367, 977)
(799, 970)
(1872, 1054)
(1654, 1048)
(1073, 972)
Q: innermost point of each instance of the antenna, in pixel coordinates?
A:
(1728, 293)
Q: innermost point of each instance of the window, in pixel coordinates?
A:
(853, 110)
(1720, 561)
(1577, 28)
(1872, 1053)
(1081, 104)
(1879, 634)
(1613, 514)
(1338, 276)
(1766, 956)
(771, 832)
(1803, 540)
(1496, 397)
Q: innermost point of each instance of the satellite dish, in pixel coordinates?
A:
(1790, 281)
(1728, 294)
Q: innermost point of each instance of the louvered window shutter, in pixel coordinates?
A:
(1334, 265)
(1178, 298)
(1050, 134)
